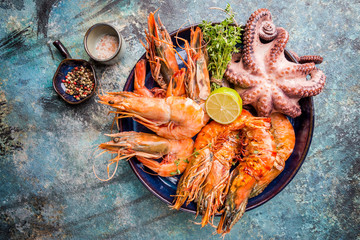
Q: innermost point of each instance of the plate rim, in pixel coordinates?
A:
(248, 208)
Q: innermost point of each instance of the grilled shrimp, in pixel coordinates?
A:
(201, 163)
(149, 147)
(259, 155)
(199, 166)
(213, 191)
(284, 136)
(160, 52)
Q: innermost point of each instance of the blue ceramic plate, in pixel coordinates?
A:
(164, 188)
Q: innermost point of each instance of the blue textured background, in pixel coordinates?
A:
(47, 186)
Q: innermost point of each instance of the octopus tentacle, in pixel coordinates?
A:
(303, 88)
(250, 95)
(264, 105)
(294, 54)
(251, 38)
(311, 58)
(243, 80)
(285, 105)
(277, 50)
(296, 70)
(307, 58)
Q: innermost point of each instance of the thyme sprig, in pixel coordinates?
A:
(221, 41)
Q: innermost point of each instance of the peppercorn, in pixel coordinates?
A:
(78, 82)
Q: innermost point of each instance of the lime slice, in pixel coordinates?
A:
(224, 105)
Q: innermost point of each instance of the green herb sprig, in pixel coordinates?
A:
(221, 42)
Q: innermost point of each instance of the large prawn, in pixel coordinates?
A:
(160, 52)
(173, 116)
(284, 136)
(200, 164)
(147, 148)
(265, 152)
(213, 191)
(197, 76)
(227, 148)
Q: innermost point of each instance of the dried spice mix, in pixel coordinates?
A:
(79, 82)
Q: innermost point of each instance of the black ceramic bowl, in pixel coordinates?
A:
(165, 188)
(67, 65)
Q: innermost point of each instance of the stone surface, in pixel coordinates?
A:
(47, 187)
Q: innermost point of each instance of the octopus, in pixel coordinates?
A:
(264, 77)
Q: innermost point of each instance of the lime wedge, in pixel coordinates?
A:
(224, 105)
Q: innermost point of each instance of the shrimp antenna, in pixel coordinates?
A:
(217, 8)
(182, 39)
(156, 10)
(177, 35)
(109, 178)
(154, 174)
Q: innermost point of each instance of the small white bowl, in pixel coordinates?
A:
(92, 37)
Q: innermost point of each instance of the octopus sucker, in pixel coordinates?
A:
(264, 106)
(279, 44)
(264, 77)
(251, 95)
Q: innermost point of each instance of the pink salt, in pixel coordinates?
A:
(106, 47)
